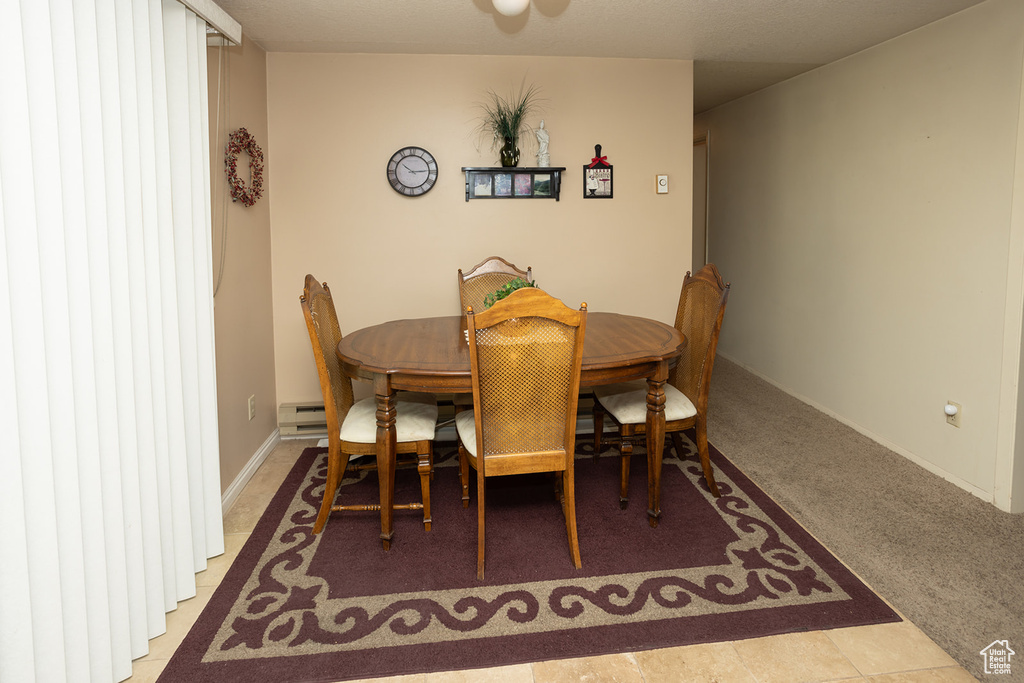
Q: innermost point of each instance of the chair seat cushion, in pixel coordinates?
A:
(627, 402)
(416, 419)
(465, 425)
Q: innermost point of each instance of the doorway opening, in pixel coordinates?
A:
(700, 202)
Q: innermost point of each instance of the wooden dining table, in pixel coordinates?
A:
(432, 355)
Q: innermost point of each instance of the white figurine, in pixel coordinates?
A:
(543, 137)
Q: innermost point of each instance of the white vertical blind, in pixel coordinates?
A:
(109, 469)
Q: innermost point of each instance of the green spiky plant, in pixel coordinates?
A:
(504, 118)
(506, 289)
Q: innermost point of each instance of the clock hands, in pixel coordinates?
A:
(411, 170)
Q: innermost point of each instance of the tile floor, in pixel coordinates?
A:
(885, 653)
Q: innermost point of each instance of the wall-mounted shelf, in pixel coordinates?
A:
(500, 182)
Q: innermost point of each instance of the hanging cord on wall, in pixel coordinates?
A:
(223, 75)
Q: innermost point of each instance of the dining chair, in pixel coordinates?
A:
(352, 425)
(474, 286)
(526, 352)
(484, 278)
(699, 318)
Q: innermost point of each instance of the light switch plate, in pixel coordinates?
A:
(662, 184)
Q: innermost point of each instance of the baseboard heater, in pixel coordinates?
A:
(305, 420)
(309, 420)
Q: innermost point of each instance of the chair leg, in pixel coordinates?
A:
(677, 444)
(431, 461)
(336, 464)
(464, 475)
(569, 510)
(598, 428)
(480, 525)
(424, 464)
(705, 456)
(625, 451)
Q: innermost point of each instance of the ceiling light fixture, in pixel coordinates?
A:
(511, 8)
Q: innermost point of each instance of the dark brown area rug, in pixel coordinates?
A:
(300, 608)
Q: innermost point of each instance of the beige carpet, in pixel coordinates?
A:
(952, 563)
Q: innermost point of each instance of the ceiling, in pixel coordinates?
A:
(738, 46)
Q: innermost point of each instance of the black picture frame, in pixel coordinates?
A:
(514, 182)
(598, 179)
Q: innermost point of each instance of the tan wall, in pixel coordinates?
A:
(242, 305)
(336, 119)
(863, 214)
(1015, 283)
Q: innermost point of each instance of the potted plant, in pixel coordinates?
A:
(505, 119)
(506, 289)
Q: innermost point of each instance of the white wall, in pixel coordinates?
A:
(862, 212)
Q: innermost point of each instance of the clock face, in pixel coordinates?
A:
(412, 171)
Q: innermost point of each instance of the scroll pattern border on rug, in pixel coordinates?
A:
(284, 611)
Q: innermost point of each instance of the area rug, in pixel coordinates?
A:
(295, 607)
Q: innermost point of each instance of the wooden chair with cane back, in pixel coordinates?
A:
(526, 353)
(484, 278)
(352, 425)
(699, 318)
(474, 286)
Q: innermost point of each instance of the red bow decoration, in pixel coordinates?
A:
(598, 160)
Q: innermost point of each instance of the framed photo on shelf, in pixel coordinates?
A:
(481, 185)
(597, 177)
(502, 184)
(542, 185)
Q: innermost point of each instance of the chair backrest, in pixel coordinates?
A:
(699, 317)
(484, 278)
(526, 352)
(324, 335)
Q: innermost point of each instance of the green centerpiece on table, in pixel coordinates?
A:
(506, 289)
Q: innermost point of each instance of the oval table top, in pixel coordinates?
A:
(432, 354)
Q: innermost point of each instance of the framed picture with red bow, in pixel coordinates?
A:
(597, 177)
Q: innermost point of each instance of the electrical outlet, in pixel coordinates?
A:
(252, 406)
(954, 413)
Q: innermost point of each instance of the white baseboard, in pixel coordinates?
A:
(232, 492)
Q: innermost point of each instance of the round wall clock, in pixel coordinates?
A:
(412, 171)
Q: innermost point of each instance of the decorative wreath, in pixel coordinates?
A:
(241, 141)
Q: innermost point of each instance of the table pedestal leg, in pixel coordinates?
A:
(655, 442)
(387, 445)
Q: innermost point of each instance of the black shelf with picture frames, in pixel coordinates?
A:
(512, 182)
